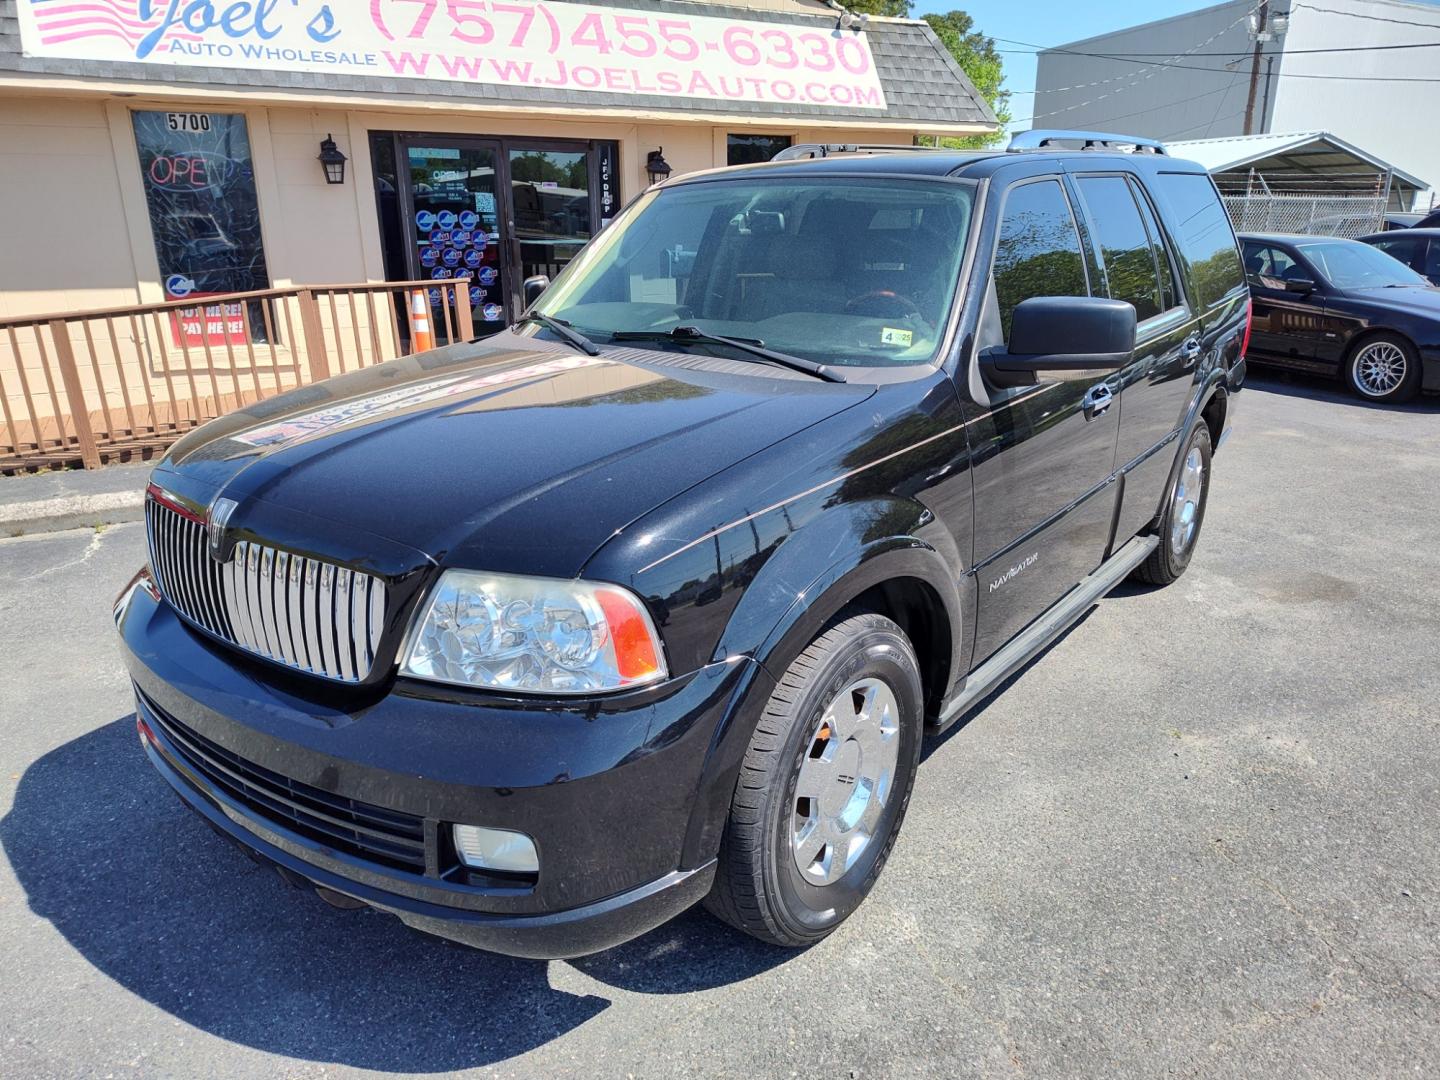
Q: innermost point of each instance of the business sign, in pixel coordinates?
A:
(213, 324)
(608, 155)
(541, 45)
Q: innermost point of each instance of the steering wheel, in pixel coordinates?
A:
(898, 305)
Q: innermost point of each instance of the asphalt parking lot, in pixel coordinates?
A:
(1199, 837)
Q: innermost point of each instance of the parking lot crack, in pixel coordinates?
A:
(96, 539)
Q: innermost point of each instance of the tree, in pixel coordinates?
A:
(973, 51)
(895, 9)
(978, 58)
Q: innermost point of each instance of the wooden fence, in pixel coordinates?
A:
(120, 384)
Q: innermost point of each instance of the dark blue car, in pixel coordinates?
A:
(1343, 308)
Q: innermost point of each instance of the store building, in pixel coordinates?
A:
(158, 149)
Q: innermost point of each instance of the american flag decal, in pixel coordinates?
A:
(129, 21)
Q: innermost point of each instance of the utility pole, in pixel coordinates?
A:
(1265, 101)
(1257, 31)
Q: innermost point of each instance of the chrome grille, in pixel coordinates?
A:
(305, 613)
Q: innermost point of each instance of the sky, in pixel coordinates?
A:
(1050, 22)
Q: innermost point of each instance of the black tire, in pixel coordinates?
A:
(1370, 369)
(1168, 561)
(759, 885)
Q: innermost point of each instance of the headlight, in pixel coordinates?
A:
(533, 634)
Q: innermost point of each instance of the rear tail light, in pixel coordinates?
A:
(1249, 318)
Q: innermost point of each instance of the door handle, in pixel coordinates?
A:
(1096, 400)
(1190, 350)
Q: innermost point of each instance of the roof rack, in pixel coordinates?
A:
(820, 150)
(1041, 138)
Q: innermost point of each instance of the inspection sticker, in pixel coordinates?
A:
(889, 335)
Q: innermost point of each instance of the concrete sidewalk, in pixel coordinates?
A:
(72, 499)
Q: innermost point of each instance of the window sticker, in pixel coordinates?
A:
(892, 336)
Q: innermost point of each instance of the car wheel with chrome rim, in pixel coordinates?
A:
(824, 784)
(1179, 525)
(1384, 367)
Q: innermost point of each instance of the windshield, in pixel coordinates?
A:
(1348, 264)
(841, 272)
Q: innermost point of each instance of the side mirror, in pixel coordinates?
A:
(1063, 333)
(533, 287)
(1300, 285)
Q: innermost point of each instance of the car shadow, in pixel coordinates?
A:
(1319, 388)
(139, 886)
(934, 742)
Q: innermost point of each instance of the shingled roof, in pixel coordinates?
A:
(923, 84)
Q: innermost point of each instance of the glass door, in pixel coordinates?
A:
(454, 225)
(489, 209)
(552, 199)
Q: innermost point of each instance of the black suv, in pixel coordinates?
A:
(535, 642)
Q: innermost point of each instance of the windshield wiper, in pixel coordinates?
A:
(693, 335)
(563, 329)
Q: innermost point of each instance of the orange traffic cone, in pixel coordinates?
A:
(421, 338)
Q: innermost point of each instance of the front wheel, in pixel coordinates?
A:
(824, 785)
(1179, 528)
(1384, 368)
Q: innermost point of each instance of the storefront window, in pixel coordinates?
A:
(204, 215)
(749, 149)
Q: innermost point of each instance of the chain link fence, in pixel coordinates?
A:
(1335, 215)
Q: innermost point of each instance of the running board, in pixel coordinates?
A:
(1022, 648)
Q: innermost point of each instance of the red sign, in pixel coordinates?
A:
(214, 324)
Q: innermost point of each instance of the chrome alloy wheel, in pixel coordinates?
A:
(1185, 506)
(845, 780)
(1380, 368)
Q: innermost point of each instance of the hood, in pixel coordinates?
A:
(510, 455)
(1422, 300)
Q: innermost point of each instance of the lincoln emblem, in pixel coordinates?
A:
(220, 512)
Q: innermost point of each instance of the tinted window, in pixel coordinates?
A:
(843, 272)
(1039, 250)
(1124, 245)
(1270, 267)
(1432, 261)
(1201, 228)
(749, 149)
(1169, 297)
(1348, 264)
(1399, 248)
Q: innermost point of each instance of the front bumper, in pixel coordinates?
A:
(607, 790)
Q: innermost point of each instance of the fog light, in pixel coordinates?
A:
(496, 849)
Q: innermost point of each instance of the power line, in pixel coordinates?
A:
(1369, 18)
(1207, 125)
(1221, 71)
(1152, 108)
(1135, 76)
(1287, 52)
(1210, 126)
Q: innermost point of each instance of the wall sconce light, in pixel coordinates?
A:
(332, 160)
(656, 167)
